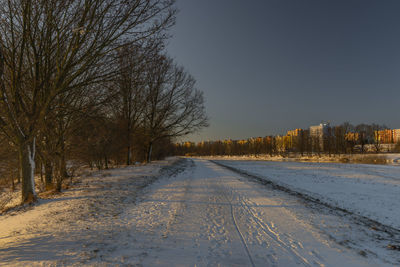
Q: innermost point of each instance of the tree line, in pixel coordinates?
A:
(342, 139)
(89, 82)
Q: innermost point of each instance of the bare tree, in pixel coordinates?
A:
(52, 47)
(174, 107)
(362, 131)
(376, 129)
(128, 91)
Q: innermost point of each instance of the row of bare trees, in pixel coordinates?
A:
(89, 80)
(341, 139)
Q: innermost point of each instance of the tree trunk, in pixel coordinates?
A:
(149, 150)
(106, 162)
(63, 167)
(27, 163)
(58, 183)
(12, 183)
(19, 174)
(41, 172)
(48, 174)
(59, 174)
(129, 155)
(129, 152)
(63, 162)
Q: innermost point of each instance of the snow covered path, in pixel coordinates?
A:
(209, 216)
(196, 214)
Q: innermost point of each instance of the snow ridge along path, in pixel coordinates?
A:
(196, 214)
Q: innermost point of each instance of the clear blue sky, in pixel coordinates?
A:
(270, 66)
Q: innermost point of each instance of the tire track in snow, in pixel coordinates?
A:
(265, 228)
(360, 219)
(237, 227)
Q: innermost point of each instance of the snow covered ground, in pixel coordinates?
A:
(70, 229)
(188, 212)
(372, 191)
(210, 216)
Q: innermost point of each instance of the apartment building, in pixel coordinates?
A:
(318, 133)
(388, 136)
(320, 130)
(396, 135)
(296, 132)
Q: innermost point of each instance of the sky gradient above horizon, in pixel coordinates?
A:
(266, 67)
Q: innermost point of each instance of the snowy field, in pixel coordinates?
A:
(372, 191)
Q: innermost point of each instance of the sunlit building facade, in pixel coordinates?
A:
(396, 135)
